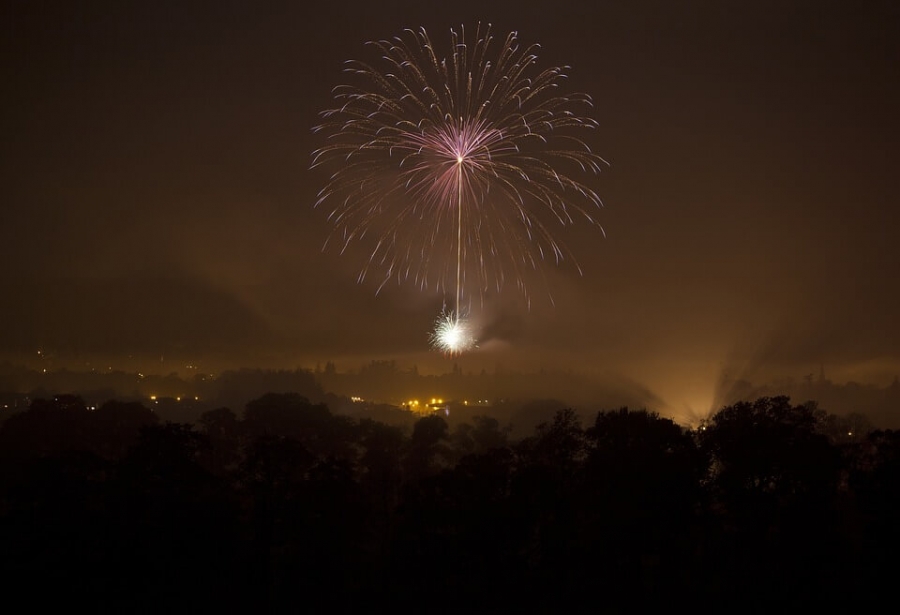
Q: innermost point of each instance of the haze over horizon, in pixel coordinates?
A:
(158, 201)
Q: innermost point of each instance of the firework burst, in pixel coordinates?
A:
(452, 334)
(457, 170)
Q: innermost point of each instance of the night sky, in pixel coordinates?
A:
(157, 196)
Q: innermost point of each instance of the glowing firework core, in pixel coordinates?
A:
(452, 335)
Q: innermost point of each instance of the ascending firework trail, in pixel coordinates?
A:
(452, 333)
(484, 136)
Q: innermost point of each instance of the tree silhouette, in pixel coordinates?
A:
(273, 476)
(293, 416)
(875, 480)
(479, 437)
(57, 531)
(549, 467)
(115, 426)
(638, 504)
(49, 427)
(774, 482)
(426, 451)
(223, 432)
(381, 475)
(176, 523)
(558, 444)
(457, 536)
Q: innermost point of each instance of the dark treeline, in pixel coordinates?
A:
(288, 507)
(878, 404)
(184, 397)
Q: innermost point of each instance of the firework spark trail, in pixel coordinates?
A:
(422, 136)
(459, 232)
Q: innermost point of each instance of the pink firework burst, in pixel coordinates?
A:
(456, 172)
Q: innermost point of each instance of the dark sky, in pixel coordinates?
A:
(158, 201)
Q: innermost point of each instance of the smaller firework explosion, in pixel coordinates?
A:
(452, 334)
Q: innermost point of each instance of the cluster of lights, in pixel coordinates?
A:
(415, 405)
(155, 399)
(427, 407)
